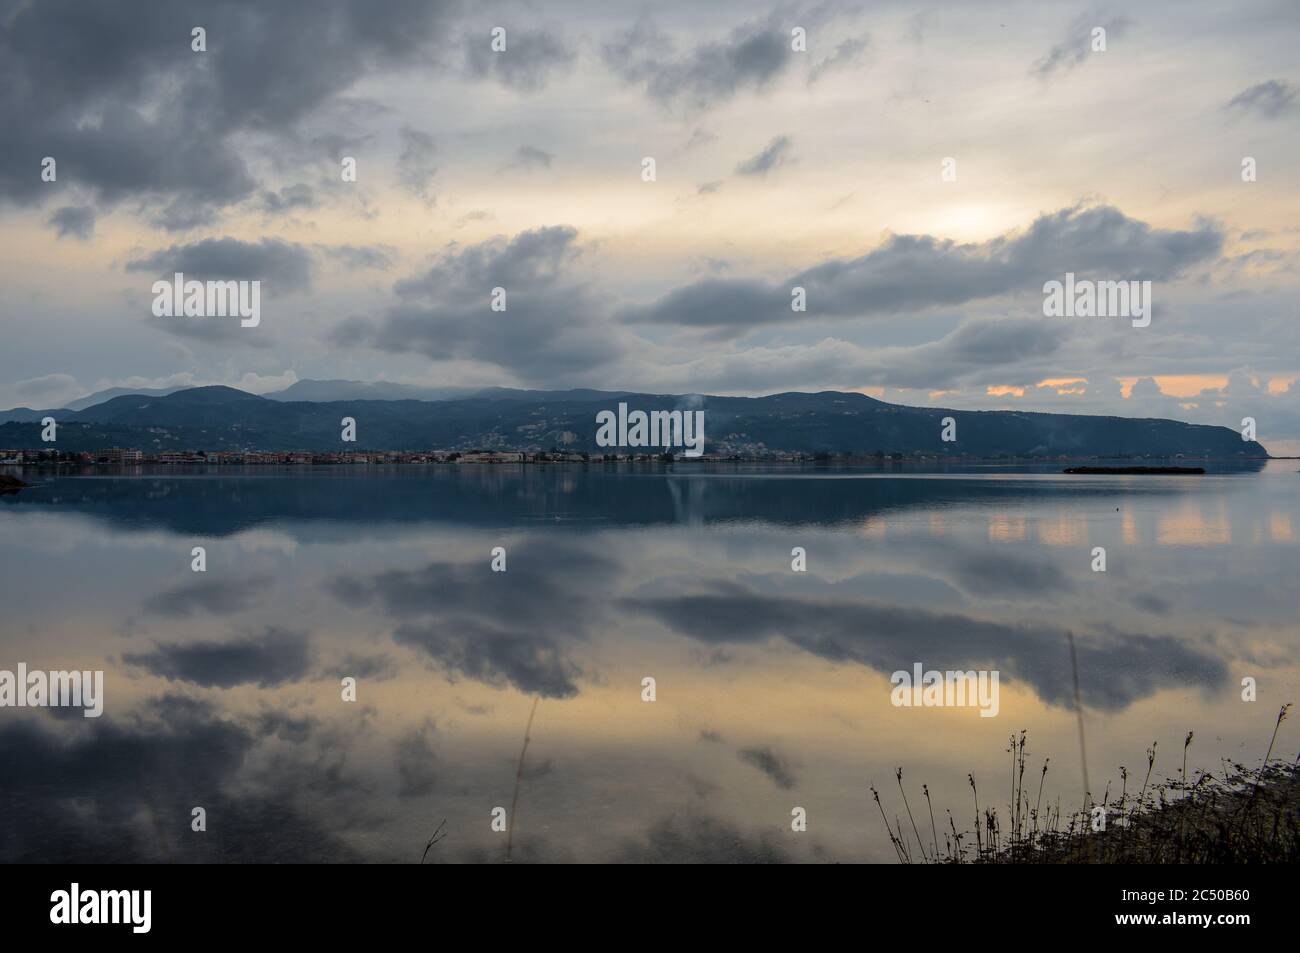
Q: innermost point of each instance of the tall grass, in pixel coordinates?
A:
(1238, 814)
(519, 775)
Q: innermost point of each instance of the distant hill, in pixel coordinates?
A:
(325, 391)
(25, 414)
(81, 403)
(223, 418)
(316, 391)
(336, 390)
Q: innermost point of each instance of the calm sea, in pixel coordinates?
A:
(771, 686)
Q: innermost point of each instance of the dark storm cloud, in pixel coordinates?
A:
(282, 266)
(415, 165)
(777, 768)
(552, 325)
(270, 658)
(1076, 46)
(750, 58)
(775, 155)
(514, 627)
(531, 57)
(124, 793)
(1115, 670)
(217, 596)
(917, 272)
(1272, 99)
(133, 111)
(74, 221)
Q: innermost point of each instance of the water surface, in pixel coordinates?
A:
(223, 688)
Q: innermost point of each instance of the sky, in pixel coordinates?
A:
(794, 145)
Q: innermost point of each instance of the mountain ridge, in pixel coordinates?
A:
(218, 417)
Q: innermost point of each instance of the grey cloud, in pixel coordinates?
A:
(468, 619)
(183, 213)
(777, 768)
(45, 387)
(977, 347)
(75, 221)
(848, 53)
(701, 840)
(530, 157)
(415, 760)
(982, 342)
(699, 138)
(331, 147)
(776, 154)
(221, 333)
(362, 257)
(271, 658)
(534, 770)
(133, 112)
(978, 574)
(1150, 602)
(80, 805)
(215, 596)
(528, 62)
(532, 663)
(1076, 46)
(919, 24)
(536, 257)
(282, 266)
(917, 272)
(1115, 669)
(415, 166)
(552, 326)
(286, 727)
(1272, 99)
(379, 667)
(750, 58)
(299, 196)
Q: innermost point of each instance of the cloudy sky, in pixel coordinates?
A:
(775, 167)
